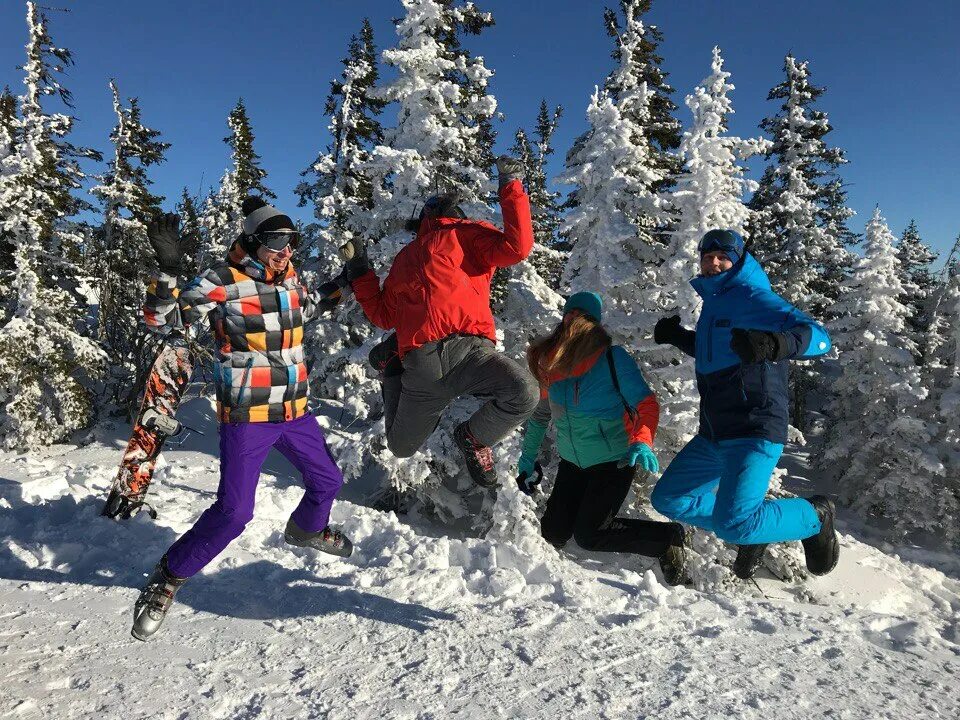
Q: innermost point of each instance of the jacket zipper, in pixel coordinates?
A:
(566, 415)
(243, 382)
(710, 341)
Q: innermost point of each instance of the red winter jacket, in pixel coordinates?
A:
(439, 284)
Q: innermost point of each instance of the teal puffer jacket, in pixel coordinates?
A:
(594, 422)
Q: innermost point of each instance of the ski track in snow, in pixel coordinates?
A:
(417, 625)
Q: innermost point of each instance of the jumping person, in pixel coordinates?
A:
(745, 335)
(437, 299)
(606, 418)
(257, 308)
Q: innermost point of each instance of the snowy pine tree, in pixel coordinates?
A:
(547, 257)
(641, 41)
(616, 213)
(915, 261)
(190, 224)
(121, 256)
(8, 139)
(941, 483)
(879, 442)
(44, 360)
(222, 218)
(799, 230)
(341, 191)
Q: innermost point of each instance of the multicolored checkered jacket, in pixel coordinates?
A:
(258, 321)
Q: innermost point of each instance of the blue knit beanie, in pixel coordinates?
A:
(587, 302)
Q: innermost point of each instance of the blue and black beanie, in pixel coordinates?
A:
(728, 241)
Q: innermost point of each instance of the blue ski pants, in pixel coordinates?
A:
(722, 486)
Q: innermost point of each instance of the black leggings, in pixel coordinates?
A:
(584, 504)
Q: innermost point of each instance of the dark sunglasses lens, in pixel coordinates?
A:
(277, 241)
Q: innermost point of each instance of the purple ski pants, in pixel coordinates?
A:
(243, 449)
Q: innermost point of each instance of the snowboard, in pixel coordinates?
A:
(166, 383)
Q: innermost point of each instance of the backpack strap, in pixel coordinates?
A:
(632, 412)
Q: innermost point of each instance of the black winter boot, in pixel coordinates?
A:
(673, 563)
(479, 458)
(823, 549)
(749, 559)
(385, 357)
(155, 600)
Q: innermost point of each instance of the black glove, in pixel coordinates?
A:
(753, 346)
(667, 331)
(510, 169)
(527, 483)
(163, 232)
(354, 252)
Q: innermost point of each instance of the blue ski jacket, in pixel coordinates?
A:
(746, 400)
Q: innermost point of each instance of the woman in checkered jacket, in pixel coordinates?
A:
(257, 308)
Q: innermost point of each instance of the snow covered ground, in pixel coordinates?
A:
(418, 624)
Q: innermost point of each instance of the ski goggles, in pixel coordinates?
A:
(278, 240)
(724, 240)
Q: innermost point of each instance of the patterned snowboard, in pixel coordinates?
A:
(165, 386)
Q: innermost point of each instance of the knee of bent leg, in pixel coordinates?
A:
(585, 537)
(663, 501)
(235, 515)
(528, 393)
(399, 448)
(734, 529)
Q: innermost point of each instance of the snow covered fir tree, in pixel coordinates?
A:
(46, 363)
(221, 216)
(799, 228)
(879, 444)
(915, 263)
(119, 257)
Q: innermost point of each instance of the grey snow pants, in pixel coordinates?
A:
(437, 373)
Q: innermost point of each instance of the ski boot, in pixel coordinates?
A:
(155, 600)
(327, 540)
(479, 458)
(823, 549)
(673, 563)
(749, 559)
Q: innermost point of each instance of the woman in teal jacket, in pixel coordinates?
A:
(606, 418)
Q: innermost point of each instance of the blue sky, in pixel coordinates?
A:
(892, 72)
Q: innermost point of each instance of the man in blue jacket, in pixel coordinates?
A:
(745, 335)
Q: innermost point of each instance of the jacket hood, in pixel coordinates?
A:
(746, 273)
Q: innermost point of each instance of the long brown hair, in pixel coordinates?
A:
(574, 340)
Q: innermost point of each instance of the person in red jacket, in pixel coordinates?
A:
(437, 299)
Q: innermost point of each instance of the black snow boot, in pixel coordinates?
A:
(749, 559)
(327, 540)
(154, 601)
(385, 357)
(479, 458)
(673, 563)
(823, 549)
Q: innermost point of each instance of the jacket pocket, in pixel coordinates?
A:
(423, 366)
(603, 434)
